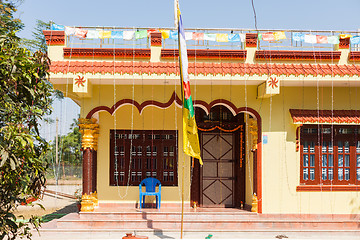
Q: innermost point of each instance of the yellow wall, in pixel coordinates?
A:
(280, 161)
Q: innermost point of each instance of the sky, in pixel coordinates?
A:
(270, 14)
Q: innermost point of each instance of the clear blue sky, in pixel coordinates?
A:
(271, 14)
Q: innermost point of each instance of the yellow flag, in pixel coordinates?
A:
(165, 33)
(343, 36)
(279, 35)
(104, 34)
(222, 37)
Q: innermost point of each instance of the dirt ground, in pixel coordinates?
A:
(51, 202)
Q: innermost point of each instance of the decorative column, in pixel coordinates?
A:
(89, 131)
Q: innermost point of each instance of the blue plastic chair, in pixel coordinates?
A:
(150, 184)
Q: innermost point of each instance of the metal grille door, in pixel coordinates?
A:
(218, 170)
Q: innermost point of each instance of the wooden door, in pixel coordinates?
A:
(217, 184)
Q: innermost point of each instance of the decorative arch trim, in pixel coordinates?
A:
(206, 107)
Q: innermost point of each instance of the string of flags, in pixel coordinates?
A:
(199, 36)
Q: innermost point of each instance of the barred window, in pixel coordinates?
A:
(139, 154)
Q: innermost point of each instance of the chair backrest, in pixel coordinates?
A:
(150, 184)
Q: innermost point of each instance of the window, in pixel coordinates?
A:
(330, 155)
(138, 154)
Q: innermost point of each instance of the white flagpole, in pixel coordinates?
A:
(176, 4)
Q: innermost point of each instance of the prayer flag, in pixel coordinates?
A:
(104, 34)
(191, 144)
(242, 37)
(165, 33)
(321, 39)
(355, 40)
(117, 34)
(198, 36)
(128, 35)
(343, 36)
(94, 34)
(141, 34)
(210, 36)
(299, 37)
(149, 31)
(80, 33)
(222, 37)
(234, 38)
(69, 31)
(268, 36)
(279, 35)
(57, 27)
(309, 38)
(333, 39)
(173, 35)
(188, 35)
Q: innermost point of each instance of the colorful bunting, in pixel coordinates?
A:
(70, 31)
(80, 33)
(128, 35)
(117, 34)
(321, 39)
(355, 40)
(268, 36)
(94, 34)
(222, 37)
(104, 34)
(279, 36)
(141, 34)
(234, 38)
(188, 36)
(174, 35)
(309, 38)
(165, 33)
(299, 37)
(57, 27)
(210, 36)
(198, 36)
(149, 31)
(343, 36)
(333, 39)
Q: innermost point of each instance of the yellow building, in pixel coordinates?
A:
(283, 124)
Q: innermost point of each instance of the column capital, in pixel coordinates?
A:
(89, 130)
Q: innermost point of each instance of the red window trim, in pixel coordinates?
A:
(318, 183)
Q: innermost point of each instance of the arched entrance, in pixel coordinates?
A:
(221, 182)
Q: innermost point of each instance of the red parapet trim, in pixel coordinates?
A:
(354, 56)
(327, 188)
(205, 54)
(156, 39)
(107, 53)
(344, 43)
(325, 116)
(54, 37)
(298, 55)
(251, 39)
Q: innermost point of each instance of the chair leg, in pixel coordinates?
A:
(143, 201)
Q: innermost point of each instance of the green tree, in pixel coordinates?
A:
(25, 98)
(38, 41)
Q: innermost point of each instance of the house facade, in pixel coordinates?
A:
(281, 124)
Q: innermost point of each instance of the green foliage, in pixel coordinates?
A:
(25, 98)
(38, 42)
